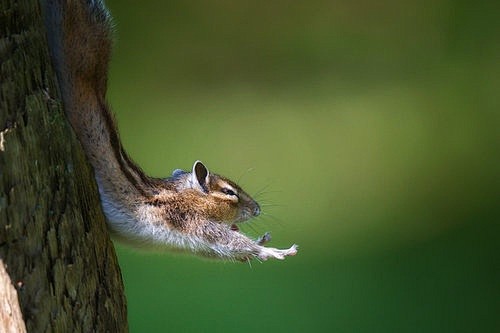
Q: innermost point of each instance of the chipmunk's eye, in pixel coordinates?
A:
(228, 191)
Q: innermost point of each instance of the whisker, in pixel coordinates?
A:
(273, 219)
(262, 190)
(252, 227)
(271, 205)
(244, 174)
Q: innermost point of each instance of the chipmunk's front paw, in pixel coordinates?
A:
(270, 252)
(266, 238)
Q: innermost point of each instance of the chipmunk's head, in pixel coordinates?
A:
(220, 199)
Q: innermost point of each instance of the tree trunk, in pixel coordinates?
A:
(53, 238)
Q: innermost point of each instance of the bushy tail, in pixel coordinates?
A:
(79, 35)
(80, 40)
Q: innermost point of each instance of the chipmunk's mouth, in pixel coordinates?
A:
(245, 215)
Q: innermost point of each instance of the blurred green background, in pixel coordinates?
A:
(372, 129)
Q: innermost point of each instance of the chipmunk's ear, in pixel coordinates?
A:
(200, 176)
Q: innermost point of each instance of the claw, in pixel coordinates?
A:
(266, 238)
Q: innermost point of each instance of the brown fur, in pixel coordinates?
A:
(136, 205)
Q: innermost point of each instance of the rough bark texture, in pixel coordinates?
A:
(53, 237)
(11, 319)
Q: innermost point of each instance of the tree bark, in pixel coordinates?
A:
(11, 319)
(53, 238)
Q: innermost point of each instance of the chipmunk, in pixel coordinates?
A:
(192, 210)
